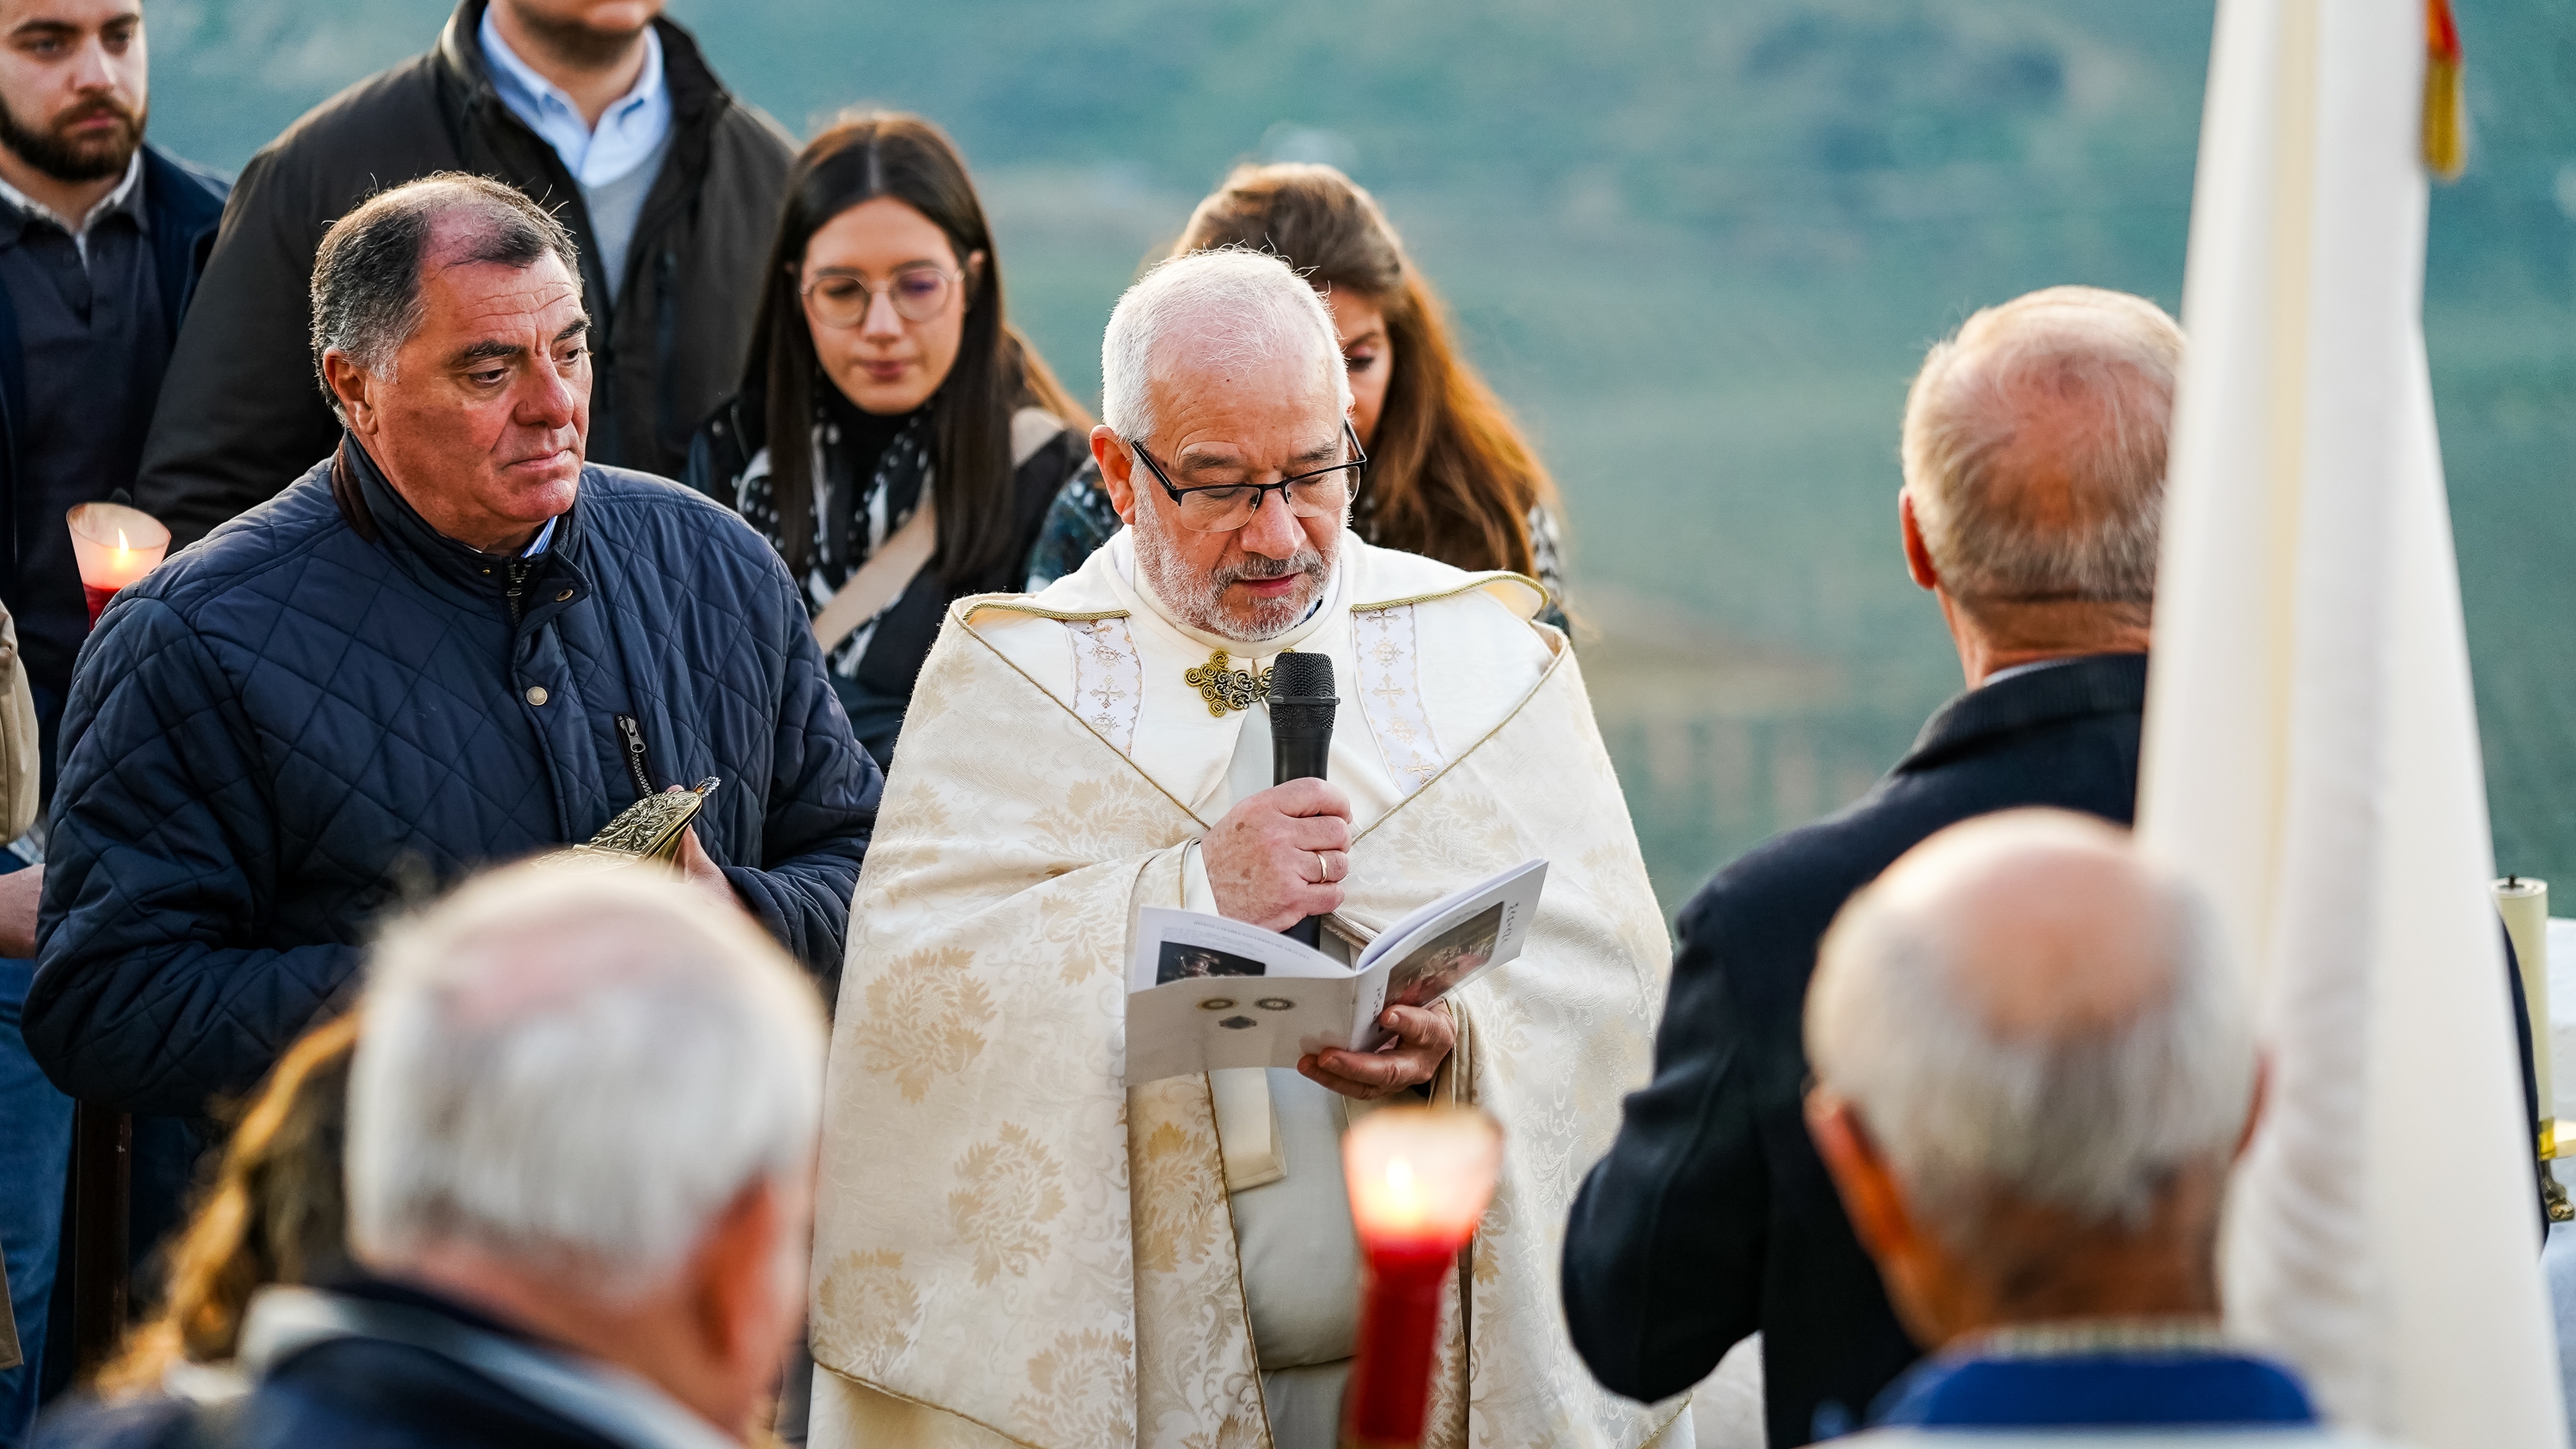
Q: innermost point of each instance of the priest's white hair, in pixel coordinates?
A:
(2034, 448)
(577, 1072)
(2124, 1051)
(1239, 306)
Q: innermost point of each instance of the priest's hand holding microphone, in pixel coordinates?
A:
(1277, 861)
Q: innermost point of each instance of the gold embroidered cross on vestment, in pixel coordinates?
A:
(1226, 688)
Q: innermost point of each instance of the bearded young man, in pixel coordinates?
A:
(601, 110)
(101, 237)
(1013, 1245)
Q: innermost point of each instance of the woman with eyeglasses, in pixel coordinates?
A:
(1449, 474)
(896, 439)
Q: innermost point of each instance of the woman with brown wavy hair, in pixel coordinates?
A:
(1450, 476)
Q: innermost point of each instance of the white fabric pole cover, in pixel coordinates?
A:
(2312, 751)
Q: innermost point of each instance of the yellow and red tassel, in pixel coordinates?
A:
(2446, 107)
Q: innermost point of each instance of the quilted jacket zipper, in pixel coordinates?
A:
(518, 571)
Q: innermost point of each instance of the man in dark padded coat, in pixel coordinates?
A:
(450, 643)
(612, 119)
(2034, 458)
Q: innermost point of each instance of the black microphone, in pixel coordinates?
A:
(1301, 737)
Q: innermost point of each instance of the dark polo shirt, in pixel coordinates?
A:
(95, 340)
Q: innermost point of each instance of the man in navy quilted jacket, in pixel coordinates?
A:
(449, 643)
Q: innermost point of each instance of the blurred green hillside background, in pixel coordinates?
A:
(1700, 248)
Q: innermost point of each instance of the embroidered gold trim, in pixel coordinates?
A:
(965, 610)
(1108, 678)
(1470, 584)
(900, 1397)
(1049, 696)
(1389, 693)
(1463, 755)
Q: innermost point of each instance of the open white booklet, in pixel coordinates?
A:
(1205, 993)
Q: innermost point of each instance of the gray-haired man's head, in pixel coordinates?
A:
(2034, 450)
(2036, 1034)
(1224, 368)
(449, 333)
(588, 1103)
(367, 276)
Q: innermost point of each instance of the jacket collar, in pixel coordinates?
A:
(2096, 684)
(385, 518)
(607, 1402)
(2140, 1389)
(695, 91)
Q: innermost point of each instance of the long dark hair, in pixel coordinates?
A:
(1450, 476)
(996, 372)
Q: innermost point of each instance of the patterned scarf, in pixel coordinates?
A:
(850, 523)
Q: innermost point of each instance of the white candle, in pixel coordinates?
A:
(2524, 903)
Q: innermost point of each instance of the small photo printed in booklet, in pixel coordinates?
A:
(1446, 959)
(1179, 962)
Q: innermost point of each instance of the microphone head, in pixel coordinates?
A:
(1301, 676)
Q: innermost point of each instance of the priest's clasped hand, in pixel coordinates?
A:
(1281, 855)
(1423, 1039)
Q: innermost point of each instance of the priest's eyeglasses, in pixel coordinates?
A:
(840, 298)
(1225, 507)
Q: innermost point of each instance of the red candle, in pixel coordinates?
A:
(1419, 1179)
(113, 545)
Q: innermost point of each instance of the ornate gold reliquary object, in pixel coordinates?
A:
(650, 829)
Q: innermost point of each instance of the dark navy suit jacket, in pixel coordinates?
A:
(1712, 1217)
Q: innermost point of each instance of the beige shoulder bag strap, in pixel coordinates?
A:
(20, 764)
(892, 568)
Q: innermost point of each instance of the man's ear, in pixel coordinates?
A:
(1918, 554)
(734, 1275)
(1117, 471)
(2260, 1098)
(355, 390)
(1860, 1173)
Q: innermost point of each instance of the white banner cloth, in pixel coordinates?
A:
(2312, 751)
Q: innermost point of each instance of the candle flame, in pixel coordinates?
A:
(121, 544)
(1420, 1176)
(1403, 1204)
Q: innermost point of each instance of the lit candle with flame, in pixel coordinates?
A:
(1419, 1180)
(113, 545)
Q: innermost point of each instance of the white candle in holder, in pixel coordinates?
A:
(2524, 902)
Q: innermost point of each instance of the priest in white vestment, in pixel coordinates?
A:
(1013, 1246)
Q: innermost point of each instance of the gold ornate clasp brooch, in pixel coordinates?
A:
(1225, 688)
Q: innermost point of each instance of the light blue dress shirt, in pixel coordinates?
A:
(630, 131)
(614, 165)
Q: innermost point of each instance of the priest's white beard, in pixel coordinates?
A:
(1198, 599)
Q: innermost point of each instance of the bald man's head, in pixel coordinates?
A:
(2023, 1009)
(2050, 926)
